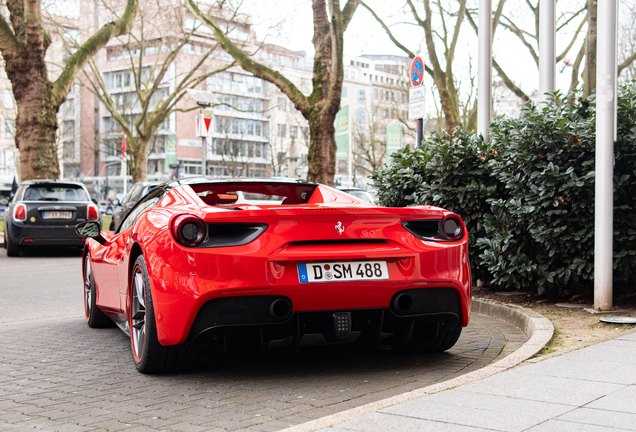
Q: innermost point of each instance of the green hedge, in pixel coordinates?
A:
(527, 197)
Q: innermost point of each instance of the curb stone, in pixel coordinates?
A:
(535, 325)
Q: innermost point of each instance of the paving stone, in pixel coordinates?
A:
(85, 377)
(596, 417)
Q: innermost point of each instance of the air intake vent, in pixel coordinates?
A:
(232, 234)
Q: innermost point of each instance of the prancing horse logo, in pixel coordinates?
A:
(340, 228)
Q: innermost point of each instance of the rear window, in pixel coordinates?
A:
(253, 193)
(55, 192)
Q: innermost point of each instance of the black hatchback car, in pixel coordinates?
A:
(45, 212)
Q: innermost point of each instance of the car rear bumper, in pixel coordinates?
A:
(271, 320)
(44, 235)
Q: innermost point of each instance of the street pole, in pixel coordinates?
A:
(420, 132)
(484, 109)
(547, 47)
(605, 132)
(204, 154)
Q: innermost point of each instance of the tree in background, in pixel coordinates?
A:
(24, 41)
(322, 105)
(443, 36)
(163, 60)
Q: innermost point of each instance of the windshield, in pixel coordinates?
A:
(43, 192)
(254, 193)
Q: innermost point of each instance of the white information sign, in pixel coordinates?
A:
(417, 97)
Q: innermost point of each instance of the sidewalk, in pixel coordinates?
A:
(590, 389)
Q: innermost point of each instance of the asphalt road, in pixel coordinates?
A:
(58, 374)
(45, 283)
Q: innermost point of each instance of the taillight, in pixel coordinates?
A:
(20, 213)
(93, 214)
(452, 228)
(188, 230)
(448, 229)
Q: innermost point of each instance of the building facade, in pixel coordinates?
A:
(256, 131)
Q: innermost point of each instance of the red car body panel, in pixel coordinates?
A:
(182, 279)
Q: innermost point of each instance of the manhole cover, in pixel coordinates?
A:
(618, 320)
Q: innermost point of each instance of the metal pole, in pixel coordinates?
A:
(547, 47)
(420, 132)
(204, 154)
(123, 171)
(484, 109)
(605, 124)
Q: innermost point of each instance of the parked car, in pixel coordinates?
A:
(45, 212)
(137, 191)
(302, 264)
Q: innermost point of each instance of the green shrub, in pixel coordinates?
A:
(527, 197)
(542, 231)
(449, 171)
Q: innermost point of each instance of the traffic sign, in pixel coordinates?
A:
(204, 123)
(417, 71)
(417, 96)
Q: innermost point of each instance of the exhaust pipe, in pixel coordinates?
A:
(402, 302)
(280, 309)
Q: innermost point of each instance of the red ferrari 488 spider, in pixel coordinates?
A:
(280, 263)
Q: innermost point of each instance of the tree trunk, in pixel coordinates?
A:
(322, 149)
(36, 122)
(138, 162)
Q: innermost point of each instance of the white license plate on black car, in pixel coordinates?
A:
(57, 215)
(342, 271)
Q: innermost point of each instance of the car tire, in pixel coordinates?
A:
(95, 318)
(149, 355)
(13, 249)
(424, 341)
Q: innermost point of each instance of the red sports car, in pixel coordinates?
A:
(279, 263)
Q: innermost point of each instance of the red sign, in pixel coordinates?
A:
(417, 71)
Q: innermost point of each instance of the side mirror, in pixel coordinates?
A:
(116, 202)
(90, 230)
(4, 201)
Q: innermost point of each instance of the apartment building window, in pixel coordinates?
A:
(282, 130)
(344, 92)
(68, 129)
(9, 129)
(7, 98)
(293, 131)
(118, 80)
(362, 96)
(362, 117)
(282, 104)
(69, 150)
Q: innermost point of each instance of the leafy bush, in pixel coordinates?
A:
(542, 232)
(528, 196)
(450, 171)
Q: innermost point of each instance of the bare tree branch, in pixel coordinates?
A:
(96, 42)
(257, 69)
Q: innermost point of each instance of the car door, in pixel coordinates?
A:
(123, 238)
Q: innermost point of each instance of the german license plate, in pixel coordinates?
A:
(57, 215)
(342, 271)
